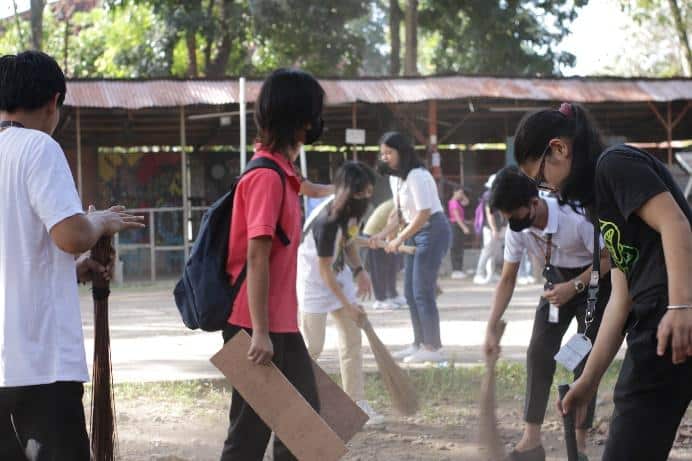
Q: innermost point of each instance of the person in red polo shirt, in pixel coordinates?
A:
(288, 113)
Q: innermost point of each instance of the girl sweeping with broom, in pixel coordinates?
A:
(331, 276)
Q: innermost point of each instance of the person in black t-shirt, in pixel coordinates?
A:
(645, 222)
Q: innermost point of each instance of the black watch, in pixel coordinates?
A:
(579, 286)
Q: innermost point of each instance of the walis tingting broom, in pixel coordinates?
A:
(102, 404)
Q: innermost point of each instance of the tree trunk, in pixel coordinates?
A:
(19, 25)
(191, 40)
(395, 15)
(209, 37)
(217, 68)
(682, 37)
(37, 23)
(411, 56)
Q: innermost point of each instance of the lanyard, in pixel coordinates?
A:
(548, 249)
(399, 213)
(592, 296)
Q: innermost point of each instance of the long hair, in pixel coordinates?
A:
(572, 121)
(350, 179)
(408, 159)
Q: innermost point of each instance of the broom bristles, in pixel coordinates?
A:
(397, 383)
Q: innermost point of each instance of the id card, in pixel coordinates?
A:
(574, 351)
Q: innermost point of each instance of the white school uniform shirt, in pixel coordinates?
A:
(572, 240)
(314, 296)
(418, 192)
(41, 339)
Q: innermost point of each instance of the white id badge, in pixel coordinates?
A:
(574, 351)
(553, 314)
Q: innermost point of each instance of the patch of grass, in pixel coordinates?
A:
(191, 393)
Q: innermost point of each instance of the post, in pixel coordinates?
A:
(152, 245)
(184, 183)
(354, 124)
(669, 134)
(79, 154)
(461, 167)
(304, 173)
(432, 139)
(243, 123)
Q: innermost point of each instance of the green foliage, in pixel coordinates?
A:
(499, 37)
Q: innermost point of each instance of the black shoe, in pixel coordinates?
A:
(534, 454)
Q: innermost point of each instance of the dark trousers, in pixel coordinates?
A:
(383, 267)
(457, 252)
(43, 423)
(651, 397)
(420, 280)
(248, 435)
(545, 343)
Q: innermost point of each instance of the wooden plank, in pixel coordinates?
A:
(278, 403)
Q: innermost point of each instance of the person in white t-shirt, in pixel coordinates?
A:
(417, 219)
(331, 277)
(42, 229)
(564, 239)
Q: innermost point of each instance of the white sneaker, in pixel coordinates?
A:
(374, 418)
(522, 281)
(424, 355)
(478, 280)
(402, 354)
(458, 275)
(530, 280)
(399, 301)
(382, 305)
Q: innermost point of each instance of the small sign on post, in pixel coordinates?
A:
(355, 136)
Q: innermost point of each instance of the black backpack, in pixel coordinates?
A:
(205, 294)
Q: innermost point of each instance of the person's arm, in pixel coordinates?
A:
(501, 298)
(389, 228)
(490, 217)
(311, 189)
(663, 214)
(79, 233)
(459, 221)
(608, 342)
(329, 278)
(409, 231)
(363, 281)
(563, 292)
(261, 348)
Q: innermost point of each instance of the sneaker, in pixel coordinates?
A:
(522, 280)
(381, 305)
(478, 280)
(530, 280)
(424, 355)
(398, 302)
(402, 354)
(374, 418)
(458, 275)
(534, 454)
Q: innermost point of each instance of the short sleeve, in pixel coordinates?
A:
(325, 232)
(585, 229)
(419, 186)
(629, 181)
(514, 246)
(51, 188)
(262, 192)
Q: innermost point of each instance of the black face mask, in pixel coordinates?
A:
(356, 207)
(315, 131)
(518, 225)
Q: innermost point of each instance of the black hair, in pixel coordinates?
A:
(351, 178)
(511, 190)
(289, 99)
(29, 80)
(572, 121)
(408, 159)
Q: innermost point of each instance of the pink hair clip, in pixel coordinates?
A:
(566, 109)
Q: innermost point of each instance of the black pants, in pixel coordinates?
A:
(457, 253)
(248, 435)
(383, 267)
(43, 423)
(545, 343)
(651, 397)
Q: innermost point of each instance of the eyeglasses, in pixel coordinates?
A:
(539, 179)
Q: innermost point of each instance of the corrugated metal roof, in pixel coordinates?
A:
(138, 94)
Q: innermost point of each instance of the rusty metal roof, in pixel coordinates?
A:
(141, 94)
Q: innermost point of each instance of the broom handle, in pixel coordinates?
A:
(365, 242)
(570, 427)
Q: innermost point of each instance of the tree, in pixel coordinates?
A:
(681, 28)
(395, 16)
(411, 54)
(499, 37)
(36, 13)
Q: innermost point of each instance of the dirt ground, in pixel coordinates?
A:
(165, 424)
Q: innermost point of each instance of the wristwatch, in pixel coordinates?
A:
(579, 286)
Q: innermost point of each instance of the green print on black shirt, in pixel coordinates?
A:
(623, 255)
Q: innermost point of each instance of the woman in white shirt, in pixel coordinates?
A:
(420, 221)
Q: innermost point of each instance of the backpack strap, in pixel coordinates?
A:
(264, 162)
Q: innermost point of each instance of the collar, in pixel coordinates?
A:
(285, 164)
(553, 209)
